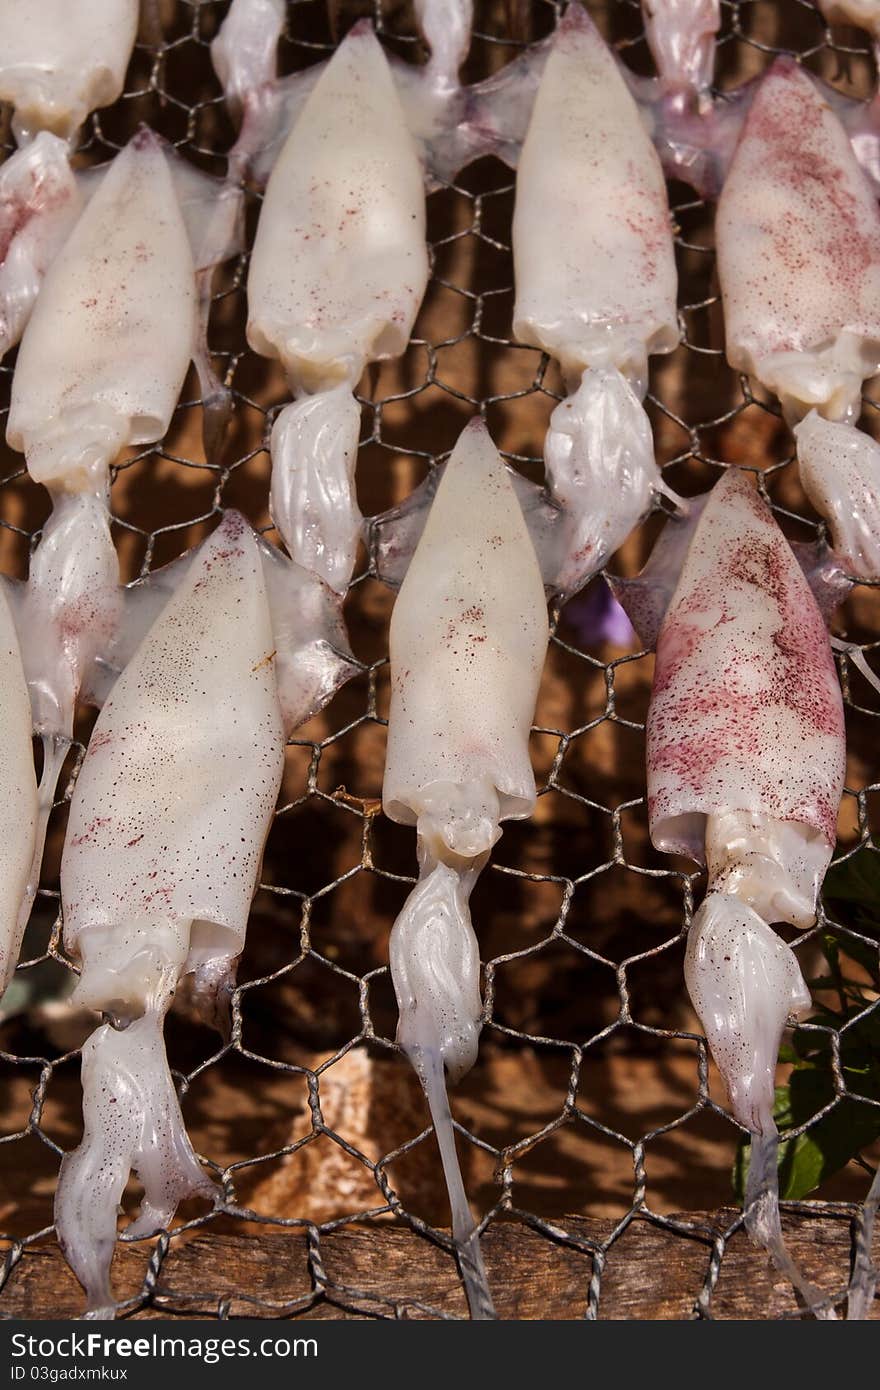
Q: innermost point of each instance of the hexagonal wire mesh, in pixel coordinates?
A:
(591, 1110)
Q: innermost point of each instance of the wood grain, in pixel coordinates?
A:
(360, 1271)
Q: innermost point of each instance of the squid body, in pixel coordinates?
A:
(60, 59)
(840, 473)
(468, 637)
(167, 825)
(40, 201)
(605, 299)
(798, 234)
(437, 109)
(799, 264)
(19, 813)
(337, 275)
(100, 367)
(746, 754)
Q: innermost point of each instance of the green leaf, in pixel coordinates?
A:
(852, 895)
(856, 880)
(827, 1146)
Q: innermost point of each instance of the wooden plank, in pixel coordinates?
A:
(650, 1272)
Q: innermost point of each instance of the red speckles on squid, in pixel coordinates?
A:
(799, 248)
(746, 712)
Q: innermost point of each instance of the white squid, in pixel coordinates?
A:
(167, 825)
(798, 234)
(337, 275)
(100, 367)
(469, 634)
(605, 299)
(40, 201)
(799, 265)
(840, 472)
(18, 786)
(61, 59)
(746, 755)
(437, 108)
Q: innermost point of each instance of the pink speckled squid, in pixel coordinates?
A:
(165, 838)
(798, 233)
(799, 263)
(746, 753)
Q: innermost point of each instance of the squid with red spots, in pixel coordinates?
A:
(798, 233)
(469, 634)
(799, 265)
(604, 300)
(167, 825)
(746, 754)
(100, 367)
(59, 60)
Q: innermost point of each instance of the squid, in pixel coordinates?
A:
(798, 234)
(605, 299)
(61, 59)
(799, 265)
(441, 114)
(40, 201)
(746, 754)
(840, 472)
(469, 633)
(18, 810)
(168, 820)
(100, 367)
(681, 36)
(337, 275)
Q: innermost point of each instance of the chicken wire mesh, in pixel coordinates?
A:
(594, 1110)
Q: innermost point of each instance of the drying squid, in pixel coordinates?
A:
(100, 367)
(337, 275)
(468, 637)
(437, 108)
(681, 37)
(61, 59)
(18, 795)
(245, 51)
(746, 756)
(799, 264)
(605, 299)
(840, 472)
(40, 201)
(167, 824)
(798, 233)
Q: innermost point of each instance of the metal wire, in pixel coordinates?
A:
(581, 923)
